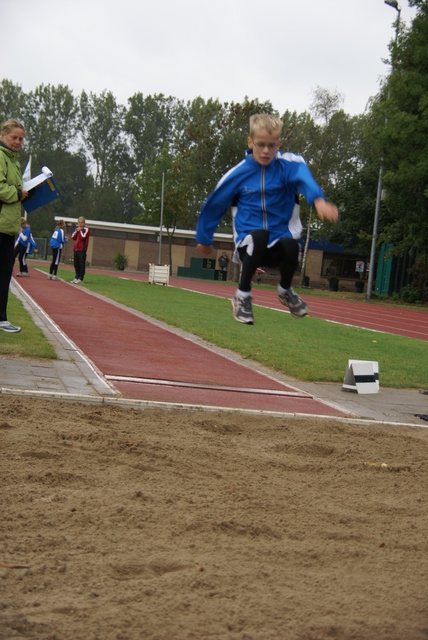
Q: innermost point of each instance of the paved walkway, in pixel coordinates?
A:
(75, 376)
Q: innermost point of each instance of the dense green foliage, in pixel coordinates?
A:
(110, 161)
(398, 130)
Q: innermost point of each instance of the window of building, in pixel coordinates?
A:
(343, 266)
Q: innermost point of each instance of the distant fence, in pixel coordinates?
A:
(44, 250)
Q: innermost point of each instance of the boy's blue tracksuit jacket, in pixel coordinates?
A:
(265, 197)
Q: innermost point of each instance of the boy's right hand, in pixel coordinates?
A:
(204, 249)
(326, 210)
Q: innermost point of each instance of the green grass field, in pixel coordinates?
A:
(310, 349)
(28, 343)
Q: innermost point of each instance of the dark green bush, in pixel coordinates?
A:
(120, 261)
(410, 294)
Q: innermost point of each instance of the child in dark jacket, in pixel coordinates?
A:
(24, 246)
(57, 242)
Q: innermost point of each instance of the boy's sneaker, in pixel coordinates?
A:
(73, 281)
(6, 326)
(78, 281)
(50, 276)
(54, 277)
(242, 309)
(298, 308)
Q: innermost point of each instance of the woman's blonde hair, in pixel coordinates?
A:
(272, 124)
(11, 124)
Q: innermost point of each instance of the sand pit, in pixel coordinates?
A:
(126, 524)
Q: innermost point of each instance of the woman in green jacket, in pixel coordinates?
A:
(11, 196)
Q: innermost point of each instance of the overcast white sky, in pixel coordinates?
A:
(277, 50)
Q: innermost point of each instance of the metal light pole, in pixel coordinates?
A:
(161, 221)
(394, 4)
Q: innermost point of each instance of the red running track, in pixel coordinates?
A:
(148, 362)
(412, 323)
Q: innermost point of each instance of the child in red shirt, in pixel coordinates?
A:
(81, 239)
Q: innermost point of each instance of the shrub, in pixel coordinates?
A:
(410, 294)
(120, 261)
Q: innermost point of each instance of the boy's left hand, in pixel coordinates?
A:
(326, 210)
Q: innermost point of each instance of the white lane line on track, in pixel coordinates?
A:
(210, 387)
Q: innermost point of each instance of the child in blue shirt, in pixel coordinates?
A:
(57, 242)
(24, 245)
(266, 224)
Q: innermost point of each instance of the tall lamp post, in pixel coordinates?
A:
(161, 220)
(394, 4)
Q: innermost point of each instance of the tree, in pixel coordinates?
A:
(75, 185)
(101, 127)
(165, 171)
(51, 116)
(325, 104)
(105, 143)
(335, 158)
(400, 133)
(150, 123)
(327, 140)
(12, 99)
(213, 141)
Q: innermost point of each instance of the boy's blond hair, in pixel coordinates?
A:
(81, 218)
(272, 124)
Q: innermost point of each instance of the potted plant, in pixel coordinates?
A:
(120, 261)
(333, 283)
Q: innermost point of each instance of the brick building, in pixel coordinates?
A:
(142, 247)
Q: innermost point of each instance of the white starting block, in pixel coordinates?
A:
(159, 274)
(362, 376)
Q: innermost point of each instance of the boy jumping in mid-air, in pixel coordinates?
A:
(266, 222)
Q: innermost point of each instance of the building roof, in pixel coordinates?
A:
(140, 228)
